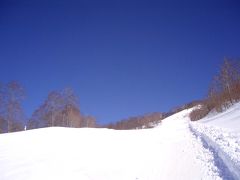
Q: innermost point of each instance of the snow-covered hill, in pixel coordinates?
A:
(175, 149)
(229, 119)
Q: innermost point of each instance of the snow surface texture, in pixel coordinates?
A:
(221, 133)
(173, 150)
(225, 144)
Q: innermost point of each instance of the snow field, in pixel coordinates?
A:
(175, 149)
(169, 151)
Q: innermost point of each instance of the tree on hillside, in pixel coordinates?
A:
(223, 91)
(2, 124)
(11, 112)
(71, 111)
(53, 106)
(230, 79)
(225, 88)
(15, 94)
(89, 121)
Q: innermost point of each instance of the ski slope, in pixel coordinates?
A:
(175, 149)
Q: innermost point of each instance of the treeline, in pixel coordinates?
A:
(61, 108)
(138, 122)
(148, 120)
(223, 92)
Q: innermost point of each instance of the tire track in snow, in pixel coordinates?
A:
(222, 160)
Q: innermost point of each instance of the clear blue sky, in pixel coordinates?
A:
(122, 58)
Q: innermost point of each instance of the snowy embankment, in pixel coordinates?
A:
(220, 132)
(229, 119)
(169, 151)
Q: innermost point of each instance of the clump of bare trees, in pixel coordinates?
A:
(61, 108)
(224, 90)
(199, 113)
(138, 122)
(11, 112)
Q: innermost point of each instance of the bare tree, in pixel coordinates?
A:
(2, 124)
(225, 88)
(71, 112)
(11, 111)
(53, 105)
(89, 121)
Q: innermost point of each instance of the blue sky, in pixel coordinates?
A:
(122, 58)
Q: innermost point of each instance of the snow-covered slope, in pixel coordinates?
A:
(172, 150)
(229, 119)
(221, 133)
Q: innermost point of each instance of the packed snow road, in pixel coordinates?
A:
(172, 150)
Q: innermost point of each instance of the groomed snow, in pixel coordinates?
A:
(172, 150)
